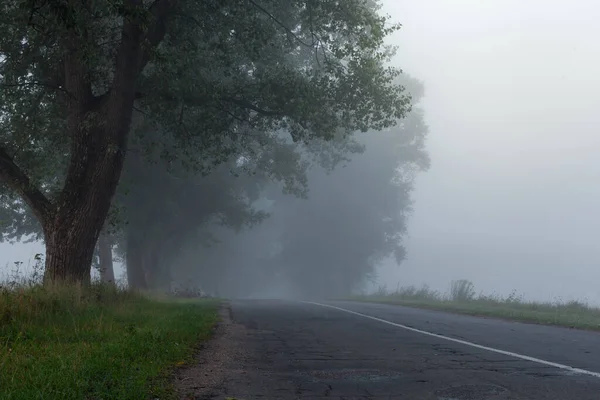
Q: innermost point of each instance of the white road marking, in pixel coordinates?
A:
(478, 346)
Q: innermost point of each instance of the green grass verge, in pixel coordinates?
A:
(573, 314)
(100, 343)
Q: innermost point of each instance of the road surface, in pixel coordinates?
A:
(292, 350)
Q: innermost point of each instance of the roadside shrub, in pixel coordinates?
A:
(462, 290)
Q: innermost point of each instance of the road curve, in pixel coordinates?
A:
(293, 350)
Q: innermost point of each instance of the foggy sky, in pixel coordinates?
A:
(511, 200)
(512, 97)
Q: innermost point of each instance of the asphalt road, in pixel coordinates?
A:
(291, 350)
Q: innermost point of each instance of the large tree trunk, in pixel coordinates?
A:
(107, 272)
(68, 256)
(97, 126)
(72, 231)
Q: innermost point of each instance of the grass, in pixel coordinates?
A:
(95, 344)
(462, 299)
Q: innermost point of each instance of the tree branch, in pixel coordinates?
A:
(160, 11)
(48, 85)
(199, 102)
(248, 105)
(136, 45)
(16, 179)
(281, 24)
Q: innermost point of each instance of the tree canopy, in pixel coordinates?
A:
(196, 82)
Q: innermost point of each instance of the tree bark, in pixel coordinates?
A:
(68, 256)
(107, 272)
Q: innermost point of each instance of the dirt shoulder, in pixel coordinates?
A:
(215, 361)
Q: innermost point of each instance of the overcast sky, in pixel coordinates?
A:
(512, 98)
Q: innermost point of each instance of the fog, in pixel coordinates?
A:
(510, 200)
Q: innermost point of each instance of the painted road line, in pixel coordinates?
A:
(467, 343)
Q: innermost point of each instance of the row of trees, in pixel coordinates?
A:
(142, 124)
(329, 243)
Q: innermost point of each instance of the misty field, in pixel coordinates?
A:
(463, 299)
(98, 343)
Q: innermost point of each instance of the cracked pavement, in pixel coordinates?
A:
(290, 350)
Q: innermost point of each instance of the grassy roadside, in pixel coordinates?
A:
(461, 299)
(100, 343)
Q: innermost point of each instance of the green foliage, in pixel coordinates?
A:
(101, 343)
(228, 78)
(311, 69)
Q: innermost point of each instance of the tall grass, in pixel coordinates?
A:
(462, 298)
(98, 342)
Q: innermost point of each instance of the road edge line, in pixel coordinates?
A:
(464, 342)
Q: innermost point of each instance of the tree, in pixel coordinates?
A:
(167, 210)
(163, 211)
(52, 44)
(208, 72)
